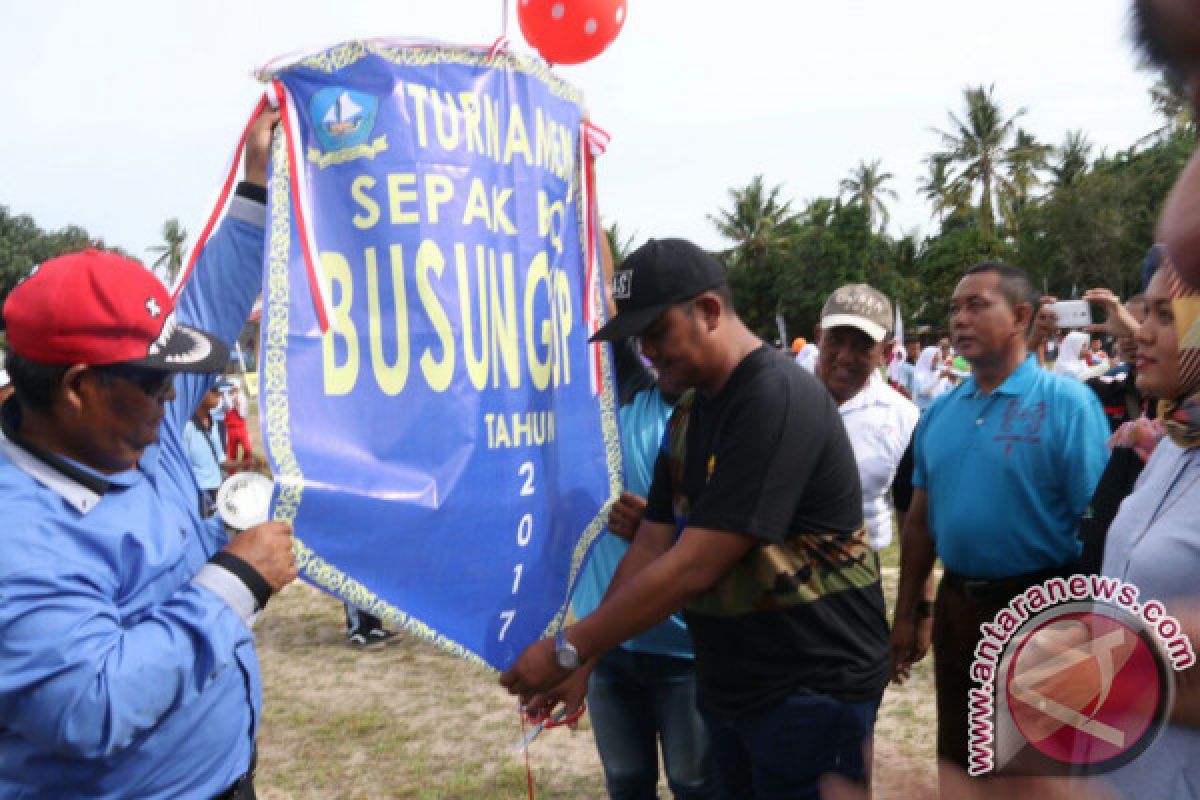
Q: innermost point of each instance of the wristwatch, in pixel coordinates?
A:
(924, 609)
(565, 653)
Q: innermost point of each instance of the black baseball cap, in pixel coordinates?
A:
(656, 276)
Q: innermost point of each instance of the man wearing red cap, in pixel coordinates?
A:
(128, 664)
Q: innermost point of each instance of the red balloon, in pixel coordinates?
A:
(570, 31)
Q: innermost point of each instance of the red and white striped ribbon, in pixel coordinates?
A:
(277, 96)
(499, 46)
(301, 203)
(218, 206)
(593, 141)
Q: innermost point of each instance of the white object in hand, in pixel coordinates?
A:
(244, 500)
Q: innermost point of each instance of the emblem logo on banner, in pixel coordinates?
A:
(343, 121)
(447, 445)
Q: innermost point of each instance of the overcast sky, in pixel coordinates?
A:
(121, 113)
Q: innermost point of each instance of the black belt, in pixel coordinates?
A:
(243, 787)
(1001, 590)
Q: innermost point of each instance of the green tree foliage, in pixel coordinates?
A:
(827, 245)
(171, 252)
(1170, 99)
(618, 243)
(997, 192)
(23, 244)
(1095, 230)
(940, 263)
(1073, 159)
(947, 197)
(757, 222)
(1024, 164)
(867, 187)
(977, 143)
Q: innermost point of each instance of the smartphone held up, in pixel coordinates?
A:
(1072, 313)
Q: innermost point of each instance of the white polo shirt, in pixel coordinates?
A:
(880, 422)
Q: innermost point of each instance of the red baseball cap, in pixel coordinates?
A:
(94, 307)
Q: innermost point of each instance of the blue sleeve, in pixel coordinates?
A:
(109, 679)
(643, 424)
(220, 292)
(190, 443)
(1084, 446)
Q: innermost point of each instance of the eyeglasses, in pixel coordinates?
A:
(152, 382)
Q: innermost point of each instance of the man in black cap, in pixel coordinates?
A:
(754, 527)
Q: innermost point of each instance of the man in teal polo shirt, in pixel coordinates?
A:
(1003, 467)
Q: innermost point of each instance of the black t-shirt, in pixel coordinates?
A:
(768, 458)
(902, 488)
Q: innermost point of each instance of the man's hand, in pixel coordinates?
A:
(1117, 321)
(251, 463)
(258, 146)
(911, 637)
(536, 671)
(570, 694)
(267, 548)
(626, 515)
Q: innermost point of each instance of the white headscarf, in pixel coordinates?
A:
(928, 378)
(1069, 361)
(893, 370)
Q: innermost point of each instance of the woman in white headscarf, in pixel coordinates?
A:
(1070, 360)
(929, 380)
(893, 371)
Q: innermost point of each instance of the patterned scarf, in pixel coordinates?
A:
(1181, 416)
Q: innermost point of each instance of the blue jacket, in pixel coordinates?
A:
(122, 674)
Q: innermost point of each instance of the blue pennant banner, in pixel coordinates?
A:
(447, 448)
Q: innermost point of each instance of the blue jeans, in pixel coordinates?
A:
(636, 698)
(783, 752)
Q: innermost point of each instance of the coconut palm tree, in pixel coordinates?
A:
(1024, 163)
(1074, 157)
(1170, 100)
(866, 188)
(758, 222)
(948, 197)
(171, 252)
(618, 243)
(976, 144)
